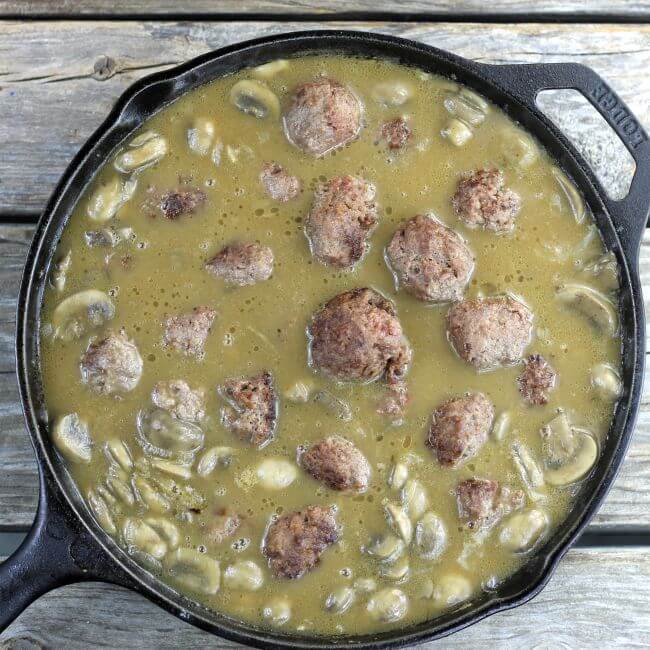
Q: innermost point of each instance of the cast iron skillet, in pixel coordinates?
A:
(66, 545)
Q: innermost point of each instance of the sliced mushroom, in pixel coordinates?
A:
(398, 572)
(200, 136)
(107, 199)
(213, 457)
(173, 469)
(101, 511)
(117, 451)
(386, 548)
(60, 271)
(143, 537)
(501, 426)
(277, 612)
(451, 589)
(398, 476)
(243, 576)
(271, 69)
(142, 152)
(149, 496)
(591, 303)
(276, 473)
(605, 270)
(299, 393)
(254, 98)
(388, 605)
(196, 571)
(457, 132)
(71, 437)
(337, 407)
(392, 93)
(606, 381)
(118, 486)
(399, 522)
(166, 529)
(519, 148)
(340, 600)
(414, 498)
(571, 195)
(578, 464)
(365, 585)
(80, 312)
(523, 530)
(529, 468)
(162, 435)
(462, 107)
(430, 536)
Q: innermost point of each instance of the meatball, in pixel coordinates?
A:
(396, 133)
(253, 411)
(242, 264)
(111, 365)
(175, 203)
(180, 400)
(323, 116)
(336, 462)
(295, 541)
(537, 380)
(187, 333)
(279, 184)
(483, 502)
(356, 336)
(460, 427)
(482, 201)
(430, 260)
(342, 218)
(490, 332)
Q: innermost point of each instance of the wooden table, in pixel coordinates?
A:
(64, 62)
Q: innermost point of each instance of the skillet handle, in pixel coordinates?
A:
(57, 551)
(525, 81)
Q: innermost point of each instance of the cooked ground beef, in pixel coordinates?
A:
(253, 411)
(460, 427)
(279, 184)
(429, 260)
(356, 336)
(295, 541)
(242, 264)
(537, 380)
(396, 133)
(324, 115)
(483, 502)
(175, 203)
(490, 332)
(338, 463)
(111, 365)
(342, 217)
(482, 201)
(180, 400)
(187, 333)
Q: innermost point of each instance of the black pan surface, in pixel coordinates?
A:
(66, 545)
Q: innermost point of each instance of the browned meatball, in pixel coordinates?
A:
(483, 201)
(187, 333)
(338, 463)
(341, 220)
(253, 411)
(279, 184)
(460, 427)
(357, 337)
(242, 264)
(537, 380)
(396, 133)
(175, 203)
(295, 541)
(430, 260)
(482, 502)
(323, 116)
(490, 332)
(180, 400)
(111, 365)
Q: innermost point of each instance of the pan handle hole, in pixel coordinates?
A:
(588, 131)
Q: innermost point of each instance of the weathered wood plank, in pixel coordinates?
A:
(569, 8)
(626, 507)
(52, 97)
(599, 597)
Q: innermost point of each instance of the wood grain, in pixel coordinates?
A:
(58, 79)
(524, 8)
(627, 506)
(597, 598)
